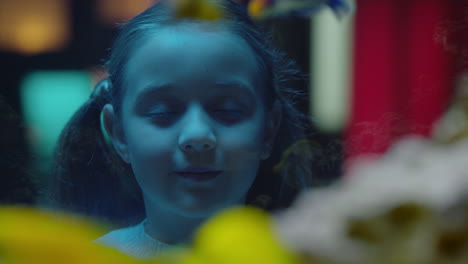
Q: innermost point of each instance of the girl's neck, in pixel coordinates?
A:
(168, 227)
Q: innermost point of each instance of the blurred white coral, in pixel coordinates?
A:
(392, 210)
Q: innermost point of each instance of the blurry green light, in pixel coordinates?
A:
(49, 99)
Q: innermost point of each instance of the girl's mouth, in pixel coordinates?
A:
(198, 174)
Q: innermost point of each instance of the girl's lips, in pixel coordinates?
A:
(198, 176)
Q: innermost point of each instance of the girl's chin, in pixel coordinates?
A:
(202, 210)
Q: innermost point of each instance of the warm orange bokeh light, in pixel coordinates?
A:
(113, 11)
(31, 27)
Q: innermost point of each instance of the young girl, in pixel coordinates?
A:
(196, 114)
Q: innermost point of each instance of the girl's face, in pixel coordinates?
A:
(193, 122)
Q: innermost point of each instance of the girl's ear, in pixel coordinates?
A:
(273, 122)
(115, 132)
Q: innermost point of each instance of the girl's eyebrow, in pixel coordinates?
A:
(232, 84)
(222, 88)
(153, 89)
(233, 87)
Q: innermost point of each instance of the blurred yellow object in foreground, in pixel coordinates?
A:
(256, 7)
(239, 235)
(197, 9)
(32, 236)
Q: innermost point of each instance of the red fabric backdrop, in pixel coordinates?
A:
(407, 56)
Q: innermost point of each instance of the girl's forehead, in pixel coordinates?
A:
(188, 54)
(195, 39)
(197, 35)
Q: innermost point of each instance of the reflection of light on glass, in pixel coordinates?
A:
(331, 54)
(112, 11)
(31, 26)
(49, 99)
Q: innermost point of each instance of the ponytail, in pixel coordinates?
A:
(88, 177)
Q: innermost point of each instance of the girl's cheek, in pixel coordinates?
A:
(242, 147)
(152, 141)
(249, 135)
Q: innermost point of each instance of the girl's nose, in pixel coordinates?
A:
(197, 134)
(197, 146)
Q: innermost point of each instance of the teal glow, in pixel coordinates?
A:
(49, 99)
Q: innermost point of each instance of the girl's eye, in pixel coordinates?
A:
(229, 116)
(163, 119)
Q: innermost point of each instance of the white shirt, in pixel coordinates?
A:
(134, 242)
